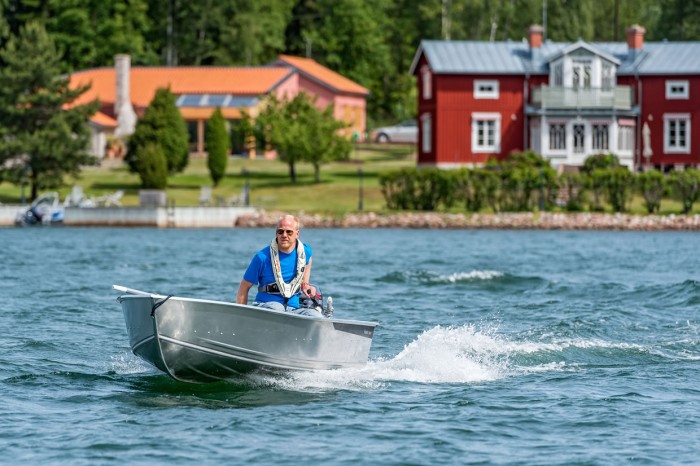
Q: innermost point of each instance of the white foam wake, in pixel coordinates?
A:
(439, 355)
(469, 276)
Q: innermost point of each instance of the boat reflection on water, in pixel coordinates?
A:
(200, 341)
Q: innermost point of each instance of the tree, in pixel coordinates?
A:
(218, 144)
(300, 132)
(350, 37)
(686, 187)
(594, 169)
(327, 144)
(652, 186)
(161, 124)
(43, 135)
(618, 184)
(152, 167)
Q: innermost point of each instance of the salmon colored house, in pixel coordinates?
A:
(124, 92)
(563, 100)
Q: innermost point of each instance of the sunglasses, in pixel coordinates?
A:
(281, 231)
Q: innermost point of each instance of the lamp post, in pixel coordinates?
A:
(24, 183)
(246, 188)
(359, 174)
(541, 189)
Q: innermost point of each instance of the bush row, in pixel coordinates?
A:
(525, 182)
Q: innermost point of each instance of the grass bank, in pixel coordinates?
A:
(270, 186)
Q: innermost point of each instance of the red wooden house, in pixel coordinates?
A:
(565, 101)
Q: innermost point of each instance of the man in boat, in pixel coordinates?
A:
(281, 271)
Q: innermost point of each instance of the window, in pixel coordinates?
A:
(625, 138)
(608, 77)
(677, 90)
(676, 135)
(600, 136)
(427, 79)
(485, 89)
(486, 132)
(579, 138)
(558, 75)
(426, 132)
(557, 136)
(581, 74)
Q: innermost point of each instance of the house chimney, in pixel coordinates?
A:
(635, 37)
(534, 35)
(123, 110)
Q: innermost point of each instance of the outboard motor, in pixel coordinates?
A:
(316, 302)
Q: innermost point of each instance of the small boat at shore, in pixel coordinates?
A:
(200, 341)
(45, 210)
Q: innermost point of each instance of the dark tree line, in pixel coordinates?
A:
(370, 41)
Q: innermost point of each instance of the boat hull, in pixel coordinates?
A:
(203, 341)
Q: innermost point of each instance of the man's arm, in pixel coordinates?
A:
(307, 289)
(243, 288)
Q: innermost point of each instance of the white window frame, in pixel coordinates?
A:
(671, 122)
(607, 76)
(489, 122)
(426, 125)
(625, 138)
(600, 136)
(562, 138)
(575, 146)
(486, 89)
(427, 78)
(677, 90)
(558, 75)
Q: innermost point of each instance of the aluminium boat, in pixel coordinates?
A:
(200, 341)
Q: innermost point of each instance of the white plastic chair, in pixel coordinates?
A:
(114, 199)
(205, 195)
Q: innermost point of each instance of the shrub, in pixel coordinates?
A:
(217, 141)
(651, 185)
(617, 182)
(599, 162)
(575, 186)
(686, 187)
(152, 167)
(525, 178)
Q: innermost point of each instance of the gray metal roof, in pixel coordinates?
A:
(472, 57)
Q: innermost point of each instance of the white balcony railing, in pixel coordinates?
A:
(619, 97)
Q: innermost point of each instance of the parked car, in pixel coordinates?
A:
(406, 131)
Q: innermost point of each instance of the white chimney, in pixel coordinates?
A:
(124, 111)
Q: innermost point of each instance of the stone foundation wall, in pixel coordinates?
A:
(514, 221)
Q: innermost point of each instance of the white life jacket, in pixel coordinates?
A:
(287, 290)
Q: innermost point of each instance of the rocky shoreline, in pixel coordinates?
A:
(505, 221)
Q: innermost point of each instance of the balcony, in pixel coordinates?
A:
(618, 98)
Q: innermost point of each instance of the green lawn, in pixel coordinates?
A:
(336, 194)
(270, 185)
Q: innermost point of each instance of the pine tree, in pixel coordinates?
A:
(218, 144)
(161, 124)
(43, 134)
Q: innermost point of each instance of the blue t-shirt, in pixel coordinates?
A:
(260, 273)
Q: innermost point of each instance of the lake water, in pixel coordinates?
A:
(494, 347)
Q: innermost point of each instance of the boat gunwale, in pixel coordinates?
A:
(248, 306)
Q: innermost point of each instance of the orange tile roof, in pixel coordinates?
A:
(145, 81)
(325, 75)
(101, 119)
